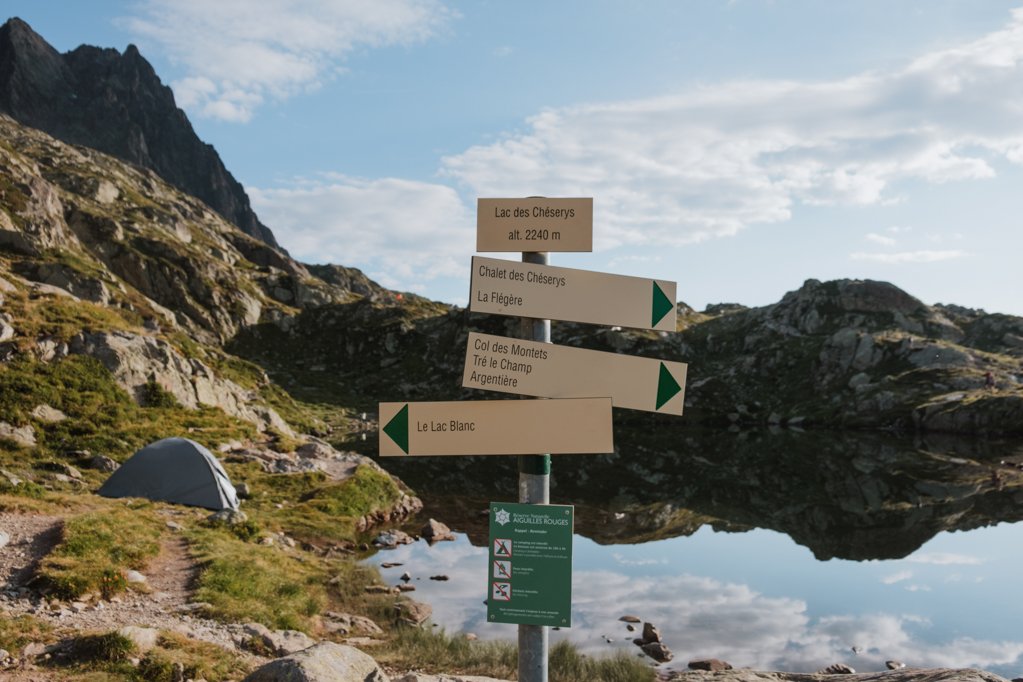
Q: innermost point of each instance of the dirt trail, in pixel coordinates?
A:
(170, 579)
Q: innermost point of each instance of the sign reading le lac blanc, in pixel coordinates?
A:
(496, 427)
(534, 224)
(508, 287)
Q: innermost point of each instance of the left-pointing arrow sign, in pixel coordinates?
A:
(497, 427)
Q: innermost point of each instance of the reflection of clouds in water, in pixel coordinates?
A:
(897, 577)
(619, 559)
(697, 616)
(885, 636)
(945, 559)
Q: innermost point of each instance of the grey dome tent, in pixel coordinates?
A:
(175, 470)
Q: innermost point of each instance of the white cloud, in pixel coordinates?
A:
(399, 231)
(709, 162)
(880, 239)
(922, 256)
(897, 577)
(238, 54)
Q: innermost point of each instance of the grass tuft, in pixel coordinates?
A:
(110, 647)
(246, 582)
(96, 548)
(436, 651)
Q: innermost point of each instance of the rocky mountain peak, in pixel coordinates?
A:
(116, 103)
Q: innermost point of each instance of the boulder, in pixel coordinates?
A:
(392, 538)
(422, 677)
(137, 360)
(658, 651)
(230, 517)
(103, 463)
(323, 662)
(281, 642)
(650, 633)
(23, 436)
(9, 478)
(5, 539)
(347, 622)
(50, 415)
(712, 664)
(413, 612)
(435, 531)
(6, 329)
(837, 669)
(144, 639)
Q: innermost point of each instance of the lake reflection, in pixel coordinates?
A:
(718, 541)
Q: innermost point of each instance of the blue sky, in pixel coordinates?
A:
(735, 147)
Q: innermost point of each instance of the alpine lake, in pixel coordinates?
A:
(774, 549)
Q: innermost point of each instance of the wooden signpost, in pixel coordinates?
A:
(496, 427)
(496, 363)
(535, 225)
(506, 287)
(529, 579)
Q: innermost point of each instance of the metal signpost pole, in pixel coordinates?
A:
(534, 488)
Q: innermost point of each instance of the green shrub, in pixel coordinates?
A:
(152, 394)
(109, 647)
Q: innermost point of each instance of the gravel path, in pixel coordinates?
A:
(170, 579)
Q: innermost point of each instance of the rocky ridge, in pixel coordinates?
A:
(115, 102)
(161, 278)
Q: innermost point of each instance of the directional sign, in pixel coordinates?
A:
(528, 290)
(530, 576)
(547, 370)
(496, 427)
(535, 224)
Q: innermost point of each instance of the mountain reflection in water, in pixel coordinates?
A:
(707, 537)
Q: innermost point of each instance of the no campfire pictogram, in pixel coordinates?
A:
(502, 569)
(502, 591)
(502, 548)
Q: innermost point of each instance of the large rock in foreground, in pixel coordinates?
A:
(323, 662)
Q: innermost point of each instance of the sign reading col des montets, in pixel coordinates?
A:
(534, 224)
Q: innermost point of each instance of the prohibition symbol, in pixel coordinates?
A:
(502, 592)
(502, 548)
(502, 570)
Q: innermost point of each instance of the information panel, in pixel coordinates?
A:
(529, 575)
(546, 370)
(534, 224)
(508, 287)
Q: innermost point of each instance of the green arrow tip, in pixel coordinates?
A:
(397, 428)
(667, 387)
(662, 305)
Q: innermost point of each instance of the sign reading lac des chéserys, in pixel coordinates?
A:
(534, 224)
(529, 580)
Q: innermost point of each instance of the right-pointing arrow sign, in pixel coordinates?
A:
(508, 287)
(667, 387)
(548, 370)
(662, 305)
